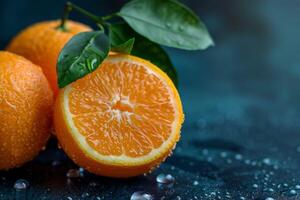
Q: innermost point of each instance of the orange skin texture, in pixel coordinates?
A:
(41, 43)
(26, 101)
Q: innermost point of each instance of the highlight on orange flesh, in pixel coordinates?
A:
(26, 102)
(42, 42)
(121, 120)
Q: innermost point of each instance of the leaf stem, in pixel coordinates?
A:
(65, 16)
(69, 7)
(107, 17)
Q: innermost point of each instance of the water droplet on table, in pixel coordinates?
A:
(93, 184)
(178, 198)
(140, 195)
(247, 162)
(204, 151)
(255, 186)
(209, 159)
(74, 173)
(238, 157)
(293, 192)
(195, 183)
(21, 184)
(223, 154)
(269, 198)
(69, 198)
(55, 163)
(84, 195)
(267, 161)
(81, 170)
(297, 187)
(165, 179)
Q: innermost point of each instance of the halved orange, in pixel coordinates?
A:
(121, 120)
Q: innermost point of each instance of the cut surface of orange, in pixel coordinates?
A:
(121, 120)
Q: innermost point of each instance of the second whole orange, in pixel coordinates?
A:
(26, 102)
(42, 42)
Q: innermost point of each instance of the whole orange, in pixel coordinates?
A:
(41, 43)
(26, 102)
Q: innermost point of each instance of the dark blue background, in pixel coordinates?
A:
(241, 101)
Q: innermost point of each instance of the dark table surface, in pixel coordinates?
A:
(241, 136)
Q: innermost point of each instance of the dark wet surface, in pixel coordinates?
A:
(241, 137)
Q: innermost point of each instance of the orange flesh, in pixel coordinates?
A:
(123, 109)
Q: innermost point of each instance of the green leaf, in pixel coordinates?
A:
(81, 55)
(146, 49)
(124, 47)
(167, 22)
(119, 42)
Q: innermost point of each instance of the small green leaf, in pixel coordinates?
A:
(146, 49)
(167, 22)
(119, 42)
(125, 47)
(81, 55)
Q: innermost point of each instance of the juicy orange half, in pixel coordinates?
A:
(121, 120)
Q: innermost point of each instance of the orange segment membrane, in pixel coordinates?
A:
(123, 109)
